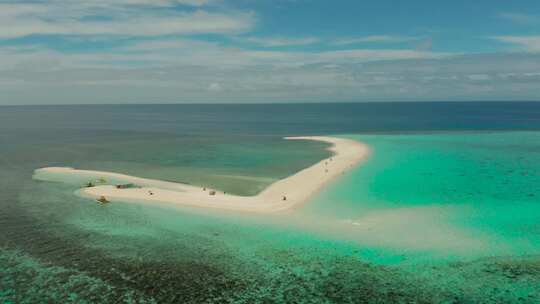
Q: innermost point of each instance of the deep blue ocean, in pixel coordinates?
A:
(276, 119)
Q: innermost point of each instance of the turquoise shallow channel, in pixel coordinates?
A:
(439, 216)
(452, 195)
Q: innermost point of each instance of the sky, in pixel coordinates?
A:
(254, 51)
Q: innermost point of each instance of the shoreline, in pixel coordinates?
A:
(281, 195)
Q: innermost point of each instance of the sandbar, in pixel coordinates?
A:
(281, 195)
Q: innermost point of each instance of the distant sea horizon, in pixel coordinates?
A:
(353, 117)
(275, 102)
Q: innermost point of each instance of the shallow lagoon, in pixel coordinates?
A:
(431, 217)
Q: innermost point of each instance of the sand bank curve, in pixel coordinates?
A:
(281, 195)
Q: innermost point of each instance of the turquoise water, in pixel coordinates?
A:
(470, 194)
(431, 217)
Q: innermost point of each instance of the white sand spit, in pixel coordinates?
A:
(281, 195)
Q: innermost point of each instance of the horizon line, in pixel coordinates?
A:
(271, 103)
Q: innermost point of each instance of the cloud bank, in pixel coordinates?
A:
(170, 51)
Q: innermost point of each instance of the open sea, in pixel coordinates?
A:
(445, 210)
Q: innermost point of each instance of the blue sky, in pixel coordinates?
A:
(173, 51)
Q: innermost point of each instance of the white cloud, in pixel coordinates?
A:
(120, 17)
(478, 77)
(374, 39)
(528, 43)
(153, 68)
(170, 52)
(214, 87)
(279, 41)
(190, 70)
(363, 55)
(519, 18)
(158, 2)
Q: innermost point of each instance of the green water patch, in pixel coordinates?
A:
(472, 193)
(171, 255)
(243, 166)
(347, 252)
(418, 242)
(24, 279)
(430, 196)
(272, 273)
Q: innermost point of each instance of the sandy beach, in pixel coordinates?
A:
(281, 195)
